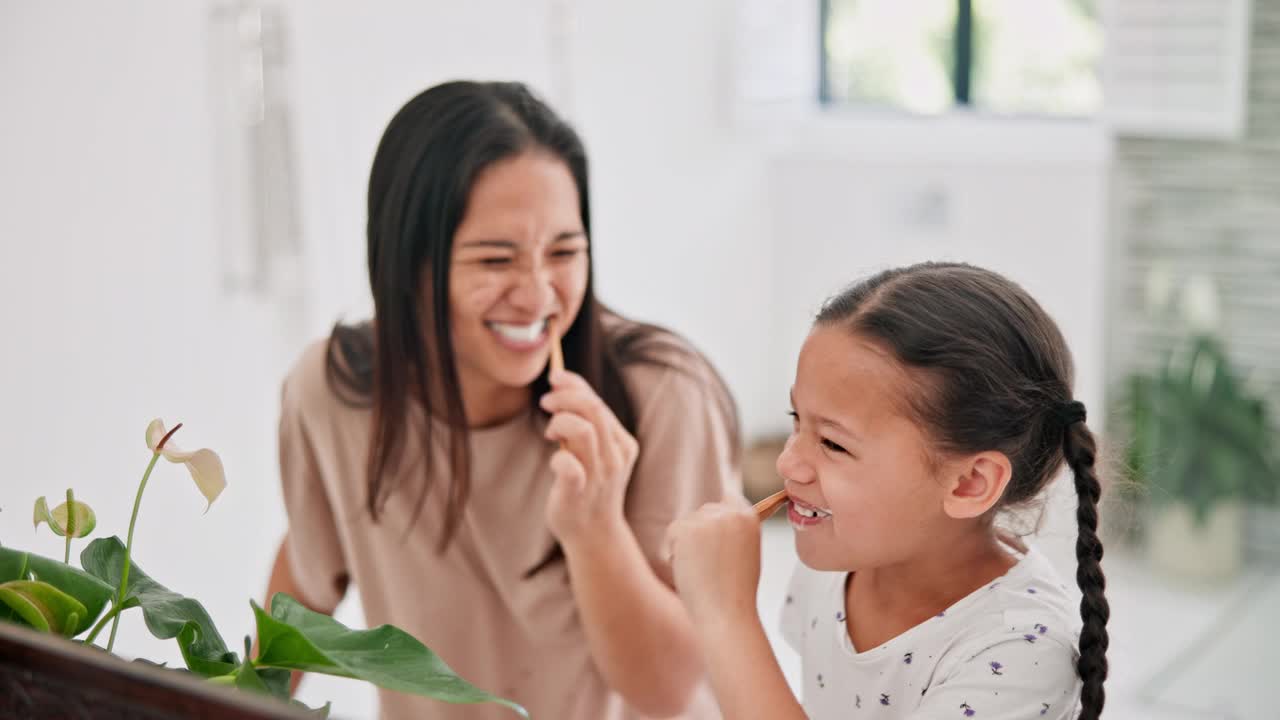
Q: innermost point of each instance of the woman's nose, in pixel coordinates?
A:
(534, 291)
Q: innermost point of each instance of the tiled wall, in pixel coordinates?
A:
(1199, 206)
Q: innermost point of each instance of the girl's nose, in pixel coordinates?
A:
(792, 466)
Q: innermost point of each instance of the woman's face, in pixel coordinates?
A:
(519, 262)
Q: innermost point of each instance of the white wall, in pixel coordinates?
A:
(681, 215)
(111, 303)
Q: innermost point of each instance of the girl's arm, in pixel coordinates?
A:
(745, 675)
(716, 555)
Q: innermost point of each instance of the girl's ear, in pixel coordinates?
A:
(977, 484)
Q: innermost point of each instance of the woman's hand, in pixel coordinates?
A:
(715, 555)
(593, 464)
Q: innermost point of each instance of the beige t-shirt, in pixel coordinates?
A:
(518, 638)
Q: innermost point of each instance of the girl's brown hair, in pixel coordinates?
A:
(1000, 378)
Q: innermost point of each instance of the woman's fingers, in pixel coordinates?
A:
(617, 450)
(568, 470)
(579, 437)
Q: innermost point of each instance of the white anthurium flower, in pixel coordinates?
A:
(204, 464)
(1201, 305)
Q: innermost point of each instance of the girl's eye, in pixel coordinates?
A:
(565, 254)
(832, 446)
(495, 261)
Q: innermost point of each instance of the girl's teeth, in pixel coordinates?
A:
(812, 512)
(520, 333)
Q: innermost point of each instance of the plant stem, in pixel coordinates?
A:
(93, 634)
(128, 550)
(71, 526)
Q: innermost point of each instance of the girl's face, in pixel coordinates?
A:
(863, 491)
(519, 261)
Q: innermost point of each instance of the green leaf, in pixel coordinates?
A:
(202, 658)
(248, 680)
(297, 638)
(1198, 433)
(167, 614)
(265, 681)
(43, 606)
(88, 590)
(14, 565)
(276, 680)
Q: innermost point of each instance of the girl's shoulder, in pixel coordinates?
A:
(1029, 607)
(1009, 649)
(812, 596)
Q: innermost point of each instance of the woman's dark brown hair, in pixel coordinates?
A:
(426, 163)
(998, 376)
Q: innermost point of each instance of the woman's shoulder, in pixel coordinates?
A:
(672, 385)
(650, 355)
(321, 380)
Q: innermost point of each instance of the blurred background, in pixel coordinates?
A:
(182, 188)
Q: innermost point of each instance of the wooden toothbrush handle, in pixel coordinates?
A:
(768, 506)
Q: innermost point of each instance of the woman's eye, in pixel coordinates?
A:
(795, 417)
(832, 446)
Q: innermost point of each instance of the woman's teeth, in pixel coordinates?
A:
(520, 333)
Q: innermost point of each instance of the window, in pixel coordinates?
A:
(1035, 57)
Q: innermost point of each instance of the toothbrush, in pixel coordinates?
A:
(557, 358)
(768, 506)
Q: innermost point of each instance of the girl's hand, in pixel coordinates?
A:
(715, 554)
(592, 466)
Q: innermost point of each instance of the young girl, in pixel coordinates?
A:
(510, 518)
(926, 401)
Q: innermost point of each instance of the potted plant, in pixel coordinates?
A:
(1201, 445)
(78, 603)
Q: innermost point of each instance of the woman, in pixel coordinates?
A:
(510, 518)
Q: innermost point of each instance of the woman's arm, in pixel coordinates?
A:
(282, 581)
(637, 630)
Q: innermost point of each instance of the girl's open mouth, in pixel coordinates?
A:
(803, 515)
